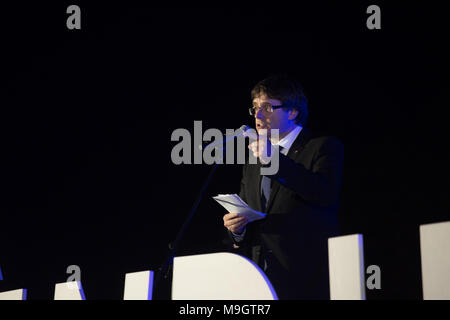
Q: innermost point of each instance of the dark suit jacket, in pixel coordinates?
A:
(301, 216)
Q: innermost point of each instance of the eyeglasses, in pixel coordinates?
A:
(266, 108)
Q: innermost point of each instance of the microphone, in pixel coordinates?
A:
(249, 132)
(243, 130)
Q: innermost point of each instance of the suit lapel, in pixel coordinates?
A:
(299, 143)
(294, 151)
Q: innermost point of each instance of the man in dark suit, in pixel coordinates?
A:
(301, 199)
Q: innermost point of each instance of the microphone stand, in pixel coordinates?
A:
(165, 271)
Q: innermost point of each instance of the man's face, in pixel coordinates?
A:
(278, 119)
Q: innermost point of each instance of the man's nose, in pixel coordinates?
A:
(259, 114)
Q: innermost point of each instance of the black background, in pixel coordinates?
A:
(87, 117)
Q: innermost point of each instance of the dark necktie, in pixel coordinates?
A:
(265, 192)
(266, 186)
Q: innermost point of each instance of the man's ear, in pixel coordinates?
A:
(293, 113)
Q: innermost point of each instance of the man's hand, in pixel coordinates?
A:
(259, 148)
(234, 222)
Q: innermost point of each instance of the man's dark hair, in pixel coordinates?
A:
(286, 89)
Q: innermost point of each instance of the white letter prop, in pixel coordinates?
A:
(219, 276)
(138, 286)
(346, 267)
(435, 259)
(69, 291)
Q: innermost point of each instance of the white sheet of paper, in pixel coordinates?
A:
(234, 203)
